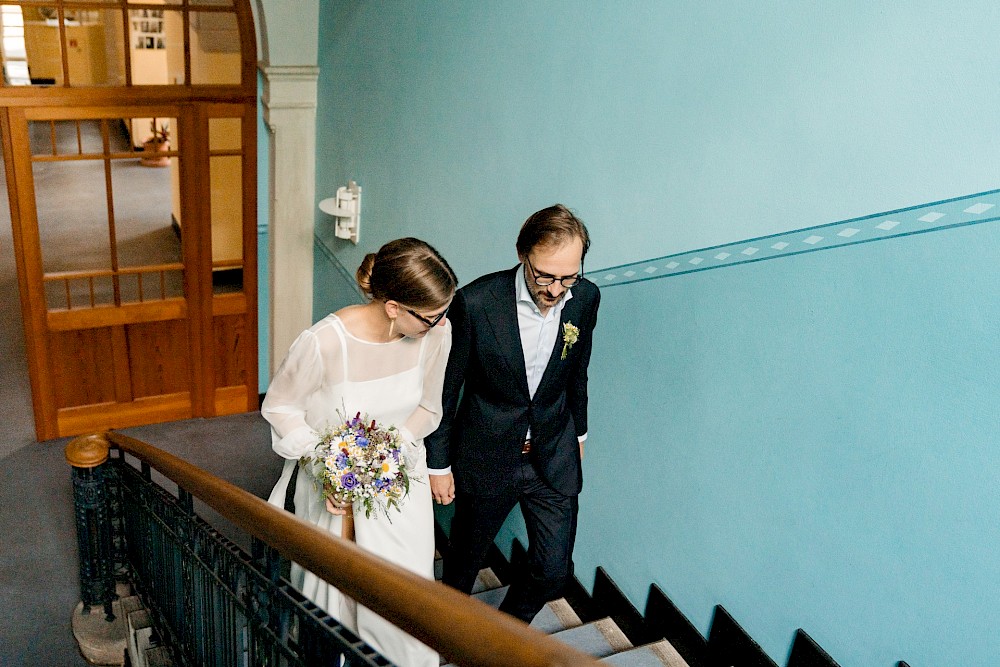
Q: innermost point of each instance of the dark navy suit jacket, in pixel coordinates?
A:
(487, 406)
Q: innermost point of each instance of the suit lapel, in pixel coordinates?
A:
(503, 320)
(570, 313)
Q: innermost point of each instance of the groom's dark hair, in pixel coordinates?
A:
(551, 226)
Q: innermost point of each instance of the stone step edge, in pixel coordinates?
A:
(489, 578)
(613, 634)
(664, 652)
(565, 613)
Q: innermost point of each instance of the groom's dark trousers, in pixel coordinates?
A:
(488, 410)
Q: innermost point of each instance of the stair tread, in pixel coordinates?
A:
(560, 612)
(600, 638)
(486, 580)
(492, 596)
(657, 654)
(159, 656)
(555, 616)
(130, 603)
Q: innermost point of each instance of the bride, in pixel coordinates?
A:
(386, 359)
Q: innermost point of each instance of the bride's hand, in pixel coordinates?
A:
(443, 488)
(336, 506)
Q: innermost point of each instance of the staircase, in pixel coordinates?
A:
(601, 638)
(131, 637)
(133, 634)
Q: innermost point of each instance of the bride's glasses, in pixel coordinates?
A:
(430, 323)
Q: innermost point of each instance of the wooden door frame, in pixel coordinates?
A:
(34, 329)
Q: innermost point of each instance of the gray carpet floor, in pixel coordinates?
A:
(39, 583)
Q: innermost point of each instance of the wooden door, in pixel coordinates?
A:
(139, 280)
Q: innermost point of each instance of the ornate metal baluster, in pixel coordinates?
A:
(88, 457)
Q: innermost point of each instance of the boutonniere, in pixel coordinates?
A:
(570, 335)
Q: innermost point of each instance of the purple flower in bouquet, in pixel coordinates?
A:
(349, 481)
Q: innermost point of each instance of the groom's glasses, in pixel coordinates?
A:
(430, 323)
(543, 280)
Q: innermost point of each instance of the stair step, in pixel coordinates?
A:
(599, 639)
(491, 596)
(130, 604)
(657, 654)
(485, 581)
(159, 657)
(140, 637)
(554, 617)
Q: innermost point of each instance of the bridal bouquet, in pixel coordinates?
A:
(362, 461)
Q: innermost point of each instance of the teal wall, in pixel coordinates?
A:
(805, 440)
(334, 286)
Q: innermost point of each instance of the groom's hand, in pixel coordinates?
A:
(443, 488)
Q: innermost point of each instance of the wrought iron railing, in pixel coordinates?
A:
(218, 605)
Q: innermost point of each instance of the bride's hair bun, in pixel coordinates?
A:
(408, 271)
(364, 274)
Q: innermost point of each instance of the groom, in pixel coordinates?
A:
(521, 345)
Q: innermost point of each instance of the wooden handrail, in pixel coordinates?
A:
(464, 630)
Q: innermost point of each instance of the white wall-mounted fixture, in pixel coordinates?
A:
(346, 210)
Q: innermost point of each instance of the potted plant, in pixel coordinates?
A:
(155, 145)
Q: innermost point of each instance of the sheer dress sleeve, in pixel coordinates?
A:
(427, 416)
(284, 406)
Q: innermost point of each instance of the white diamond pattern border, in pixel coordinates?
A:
(935, 216)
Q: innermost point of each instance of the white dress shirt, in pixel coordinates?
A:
(538, 332)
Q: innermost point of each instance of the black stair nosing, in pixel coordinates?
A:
(609, 597)
(729, 644)
(666, 620)
(583, 604)
(807, 653)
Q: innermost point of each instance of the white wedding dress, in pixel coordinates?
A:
(329, 373)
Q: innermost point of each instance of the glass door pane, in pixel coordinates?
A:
(226, 203)
(107, 225)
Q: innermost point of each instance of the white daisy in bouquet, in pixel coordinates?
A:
(361, 461)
